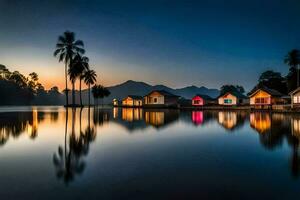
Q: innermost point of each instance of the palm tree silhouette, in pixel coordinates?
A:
(67, 46)
(82, 65)
(74, 73)
(90, 79)
(292, 59)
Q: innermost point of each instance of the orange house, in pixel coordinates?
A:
(265, 97)
(132, 101)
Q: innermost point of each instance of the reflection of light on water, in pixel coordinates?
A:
(197, 117)
(3, 135)
(32, 128)
(295, 127)
(260, 121)
(132, 114)
(115, 113)
(228, 119)
(155, 118)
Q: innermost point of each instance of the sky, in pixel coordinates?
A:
(175, 43)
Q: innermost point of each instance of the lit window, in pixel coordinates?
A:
(295, 99)
(227, 101)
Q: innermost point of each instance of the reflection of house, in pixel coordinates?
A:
(232, 98)
(155, 118)
(132, 114)
(260, 121)
(228, 119)
(161, 98)
(295, 125)
(197, 117)
(265, 97)
(161, 118)
(201, 99)
(295, 97)
(132, 101)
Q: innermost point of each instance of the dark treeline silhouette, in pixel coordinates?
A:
(232, 88)
(18, 89)
(99, 92)
(284, 84)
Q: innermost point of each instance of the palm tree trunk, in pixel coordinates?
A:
(80, 92)
(66, 77)
(73, 93)
(66, 130)
(89, 95)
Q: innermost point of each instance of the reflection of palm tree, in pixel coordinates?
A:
(69, 162)
(66, 47)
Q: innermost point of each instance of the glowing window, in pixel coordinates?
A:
(227, 101)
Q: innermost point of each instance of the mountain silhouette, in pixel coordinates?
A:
(131, 87)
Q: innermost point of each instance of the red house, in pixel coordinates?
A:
(201, 99)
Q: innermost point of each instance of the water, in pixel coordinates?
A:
(147, 154)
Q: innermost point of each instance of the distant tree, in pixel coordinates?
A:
(273, 80)
(231, 88)
(292, 59)
(66, 48)
(99, 92)
(90, 79)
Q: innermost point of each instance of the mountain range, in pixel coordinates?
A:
(131, 87)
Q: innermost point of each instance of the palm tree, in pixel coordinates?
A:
(82, 65)
(67, 46)
(73, 73)
(90, 79)
(292, 59)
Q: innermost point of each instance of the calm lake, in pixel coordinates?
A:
(115, 153)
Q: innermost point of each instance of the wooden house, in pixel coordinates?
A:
(232, 98)
(265, 98)
(201, 100)
(132, 101)
(295, 98)
(160, 98)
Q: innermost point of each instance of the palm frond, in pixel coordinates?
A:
(79, 43)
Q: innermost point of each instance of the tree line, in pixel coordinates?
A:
(19, 89)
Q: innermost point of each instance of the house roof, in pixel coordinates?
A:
(204, 96)
(294, 91)
(272, 92)
(234, 93)
(164, 93)
(136, 97)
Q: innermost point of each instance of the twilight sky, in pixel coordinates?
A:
(176, 43)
